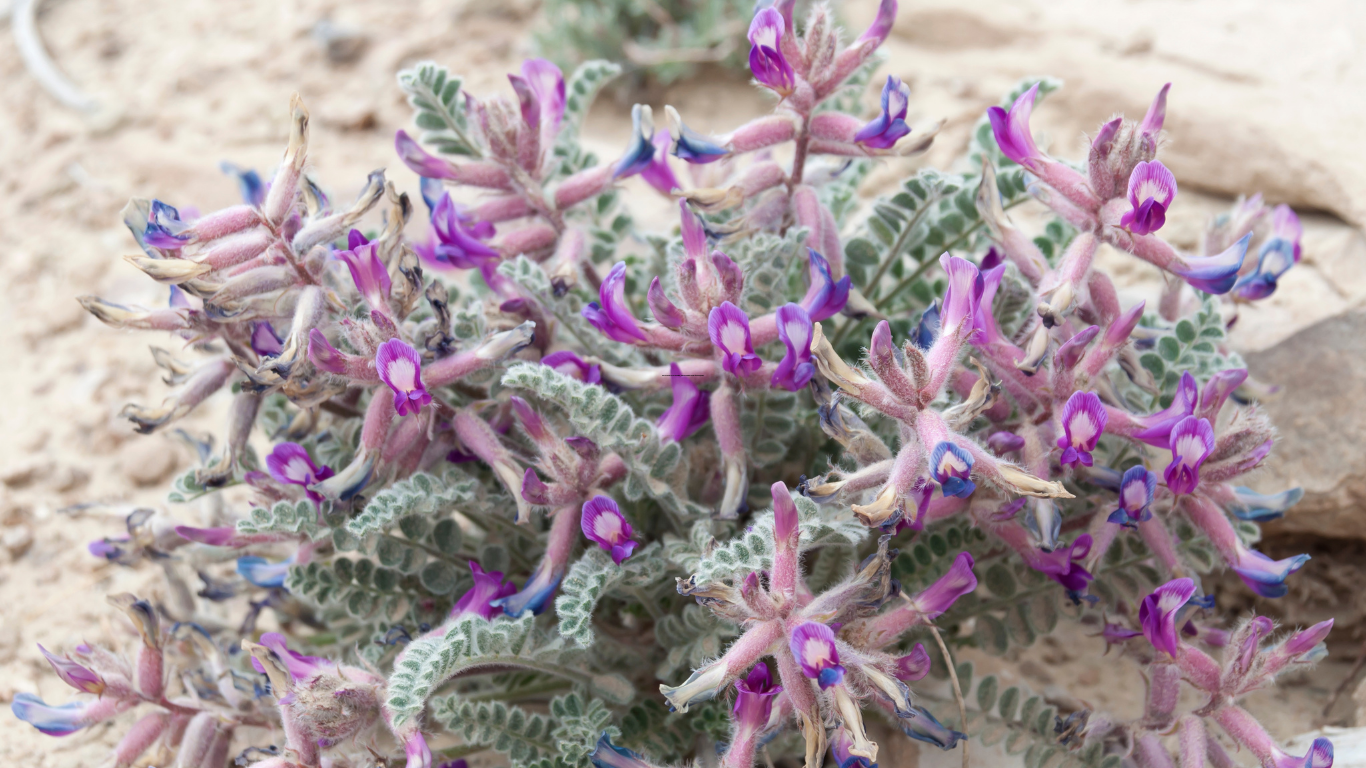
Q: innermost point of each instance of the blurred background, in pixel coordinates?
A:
(1267, 97)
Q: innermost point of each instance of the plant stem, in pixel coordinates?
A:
(957, 689)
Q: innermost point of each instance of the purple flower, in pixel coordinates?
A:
(983, 321)
(795, 331)
(813, 645)
(1278, 254)
(477, 601)
(963, 294)
(927, 330)
(75, 675)
(924, 727)
(613, 316)
(1072, 576)
(540, 91)
(1011, 129)
(61, 720)
(1116, 634)
(415, 749)
(573, 366)
(458, 239)
(729, 331)
(248, 183)
(367, 271)
(1247, 504)
(658, 174)
(535, 595)
(641, 152)
(1215, 274)
(691, 146)
(1157, 427)
(1156, 115)
(1135, 497)
(1263, 575)
(165, 230)
(1083, 419)
(1157, 614)
(825, 297)
(754, 698)
(400, 367)
(1005, 442)
(883, 131)
(290, 464)
(690, 408)
(841, 749)
(265, 341)
(262, 572)
(1320, 755)
(603, 522)
(666, 314)
(945, 591)
(914, 665)
(1191, 442)
(1151, 190)
(766, 58)
(951, 467)
(299, 666)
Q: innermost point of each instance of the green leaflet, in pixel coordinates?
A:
(611, 423)
(285, 517)
(473, 643)
(434, 94)
(592, 577)
(581, 89)
(421, 494)
(752, 550)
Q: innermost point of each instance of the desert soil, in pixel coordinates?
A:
(1264, 98)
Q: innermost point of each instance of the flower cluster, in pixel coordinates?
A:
(438, 445)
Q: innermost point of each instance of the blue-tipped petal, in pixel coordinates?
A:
(608, 755)
(262, 572)
(432, 190)
(248, 182)
(60, 720)
(534, 596)
(1260, 507)
(691, 146)
(1216, 274)
(923, 727)
(642, 150)
(928, 329)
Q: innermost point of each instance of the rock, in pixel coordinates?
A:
(148, 461)
(1322, 374)
(25, 473)
(16, 540)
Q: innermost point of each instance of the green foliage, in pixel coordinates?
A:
(421, 494)
(580, 89)
(660, 41)
(285, 517)
(434, 94)
(690, 637)
(594, 576)
(1189, 345)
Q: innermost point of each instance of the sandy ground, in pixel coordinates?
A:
(187, 84)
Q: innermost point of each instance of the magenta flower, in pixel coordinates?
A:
(841, 749)
(657, 173)
(1136, 489)
(540, 92)
(754, 698)
(488, 586)
(290, 464)
(690, 408)
(666, 314)
(1191, 442)
(952, 468)
(573, 366)
(963, 295)
(1279, 253)
(813, 645)
(641, 153)
(945, 591)
(1263, 575)
(458, 239)
(299, 666)
(728, 328)
(1005, 442)
(983, 321)
(1215, 274)
(613, 315)
(1320, 755)
(1157, 427)
(1151, 190)
(766, 58)
(1157, 614)
(1011, 129)
(1083, 419)
(883, 131)
(825, 297)
(73, 674)
(914, 665)
(603, 522)
(367, 271)
(418, 160)
(264, 341)
(1071, 575)
(400, 367)
(795, 331)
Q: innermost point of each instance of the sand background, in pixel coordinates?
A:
(1268, 97)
